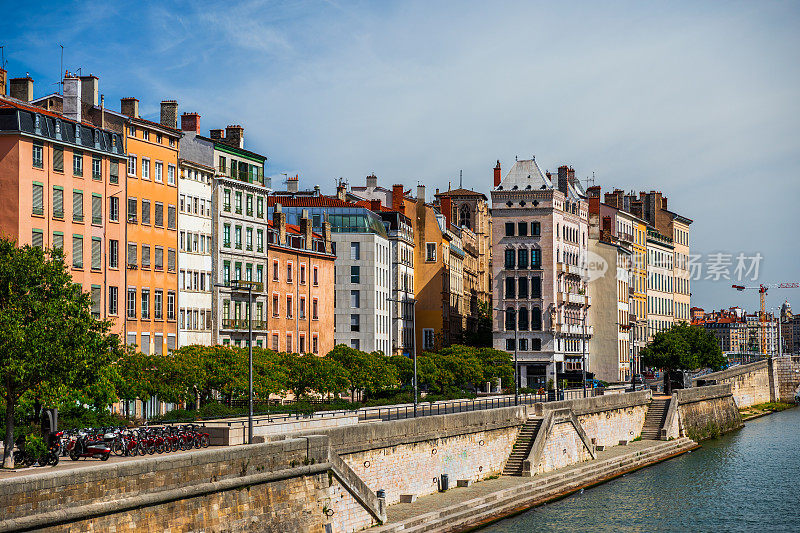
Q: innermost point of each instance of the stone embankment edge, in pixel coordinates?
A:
(508, 511)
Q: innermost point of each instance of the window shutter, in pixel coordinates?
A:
(145, 211)
(145, 255)
(58, 159)
(171, 260)
(132, 210)
(96, 300)
(171, 217)
(132, 254)
(58, 203)
(114, 173)
(37, 238)
(159, 214)
(96, 255)
(77, 205)
(159, 258)
(58, 240)
(97, 209)
(77, 251)
(38, 199)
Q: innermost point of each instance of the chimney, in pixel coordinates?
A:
(305, 229)
(190, 122)
(421, 193)
(21, 88)
(497, 177)
(375, 205)
(562, 178)
(397, 198)
(3, 78)
(372, 181)
(90, 90)
(235, 135)
(293, 183)
(102, 111)
(605, 234)
(72, 98)
(129, 107)
(594, 199)
(664, 203)
(571, 175)
(326, 234)
(217, 134)
(316, 190)
(341, 191)
(169, 113)
(279, 223)
(447, 209)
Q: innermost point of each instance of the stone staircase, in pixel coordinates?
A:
(522, 447)
(654, 419)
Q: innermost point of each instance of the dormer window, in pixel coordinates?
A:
(77, 132)
(96, 136)
(38, 122)
(58, 127)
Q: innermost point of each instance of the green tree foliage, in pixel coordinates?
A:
(682, 347)
(459, 367)
(49, 339)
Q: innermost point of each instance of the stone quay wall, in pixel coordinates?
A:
(407, 457)
(607, 420)
(706, 412)
(750, 384)
(787, 376)
(281, 486)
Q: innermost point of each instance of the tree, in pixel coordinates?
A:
(682, 347)
(47, 331)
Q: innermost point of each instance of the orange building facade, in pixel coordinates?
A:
(151, 290)
(66, 176)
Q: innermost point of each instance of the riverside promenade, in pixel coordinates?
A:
(464, 508)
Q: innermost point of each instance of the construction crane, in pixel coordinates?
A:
(762, 317)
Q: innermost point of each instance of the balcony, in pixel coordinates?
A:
(240, 324)
(573, 270)
(573, 298)
(626, 237)
(573, 329)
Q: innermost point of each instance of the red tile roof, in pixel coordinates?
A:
(307, 201)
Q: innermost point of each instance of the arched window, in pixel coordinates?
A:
(464, 216)
(523, 318)
(536, 319)
(511, 316)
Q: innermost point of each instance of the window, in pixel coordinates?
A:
(113, 175)
(302, 344)
(355, 274)
(522, 229)
(226, 200)
(536, 319)
(249, 205)
(511, 316)
(536, 259)
(427, 338)
(355, 322)
(274, 271)
(523, 318)
(226, 235)
(536, 229)
(171, 173)
(132, 260)
(355, 251)
(510, 287)
(97, 168)
(58, 159)
(509, 229)
(522, 258)
(145, 168)
(315, 276)
(302, 273)
(523, 345)
(131, 303)
(58, 202)
(289, 272)
(132, 210)
(171, 306)
(77, 206)
(510, 345)
(172, 217)
(248, 239)
(314, 309)
(260, 240)
(145, 135)
(77, 163)
(301, 307)
(237, 233)
(97, 209)
(315, 344)
(77, 251)
(113, 209)
(58, 240)
(113, 253)
(145, 304)
(38, 198)
(289, 306)
(37, 238)
(131, 165)
(226, 272)
(38, 159)
(96, 294)
(510, 256)
(260, 273)
(159, 171)
(430, 251)
(171, 259)
(260, 207)
(113, 295)
(536, 344)
(145, 211)
(238, 203)
(523, 288)
(97, 256)
(145, 256)
(355, 344)
(158, 298)
(159, 215)
(275, 306)
(355, 299)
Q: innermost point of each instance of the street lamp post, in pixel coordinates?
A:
(516, 366)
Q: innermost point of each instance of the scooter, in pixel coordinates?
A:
(83, 447)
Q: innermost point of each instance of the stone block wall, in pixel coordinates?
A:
(787, 376)
(563, 447)
(706, 412)
(750, 384)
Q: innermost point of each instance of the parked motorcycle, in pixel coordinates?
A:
(83, 447)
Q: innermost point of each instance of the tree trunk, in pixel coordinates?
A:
(8, 450)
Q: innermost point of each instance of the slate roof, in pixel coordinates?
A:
(524, 175)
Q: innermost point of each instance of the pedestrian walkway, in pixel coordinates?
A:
(465, 507)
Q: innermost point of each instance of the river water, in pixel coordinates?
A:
(747, 480)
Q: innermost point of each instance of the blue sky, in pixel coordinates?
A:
(698, 100)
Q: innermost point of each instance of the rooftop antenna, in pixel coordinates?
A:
(2, 57)
(61, 72)
(460, 179)
(589, 180)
